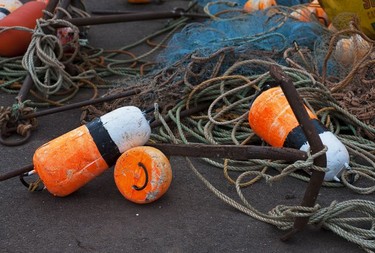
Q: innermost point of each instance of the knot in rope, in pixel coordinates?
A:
(288, 213)
(353, 220)
(300, 165)
(51, 76)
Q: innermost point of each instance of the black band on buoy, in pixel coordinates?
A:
(106, 146)
(296, 138)
(5, 11)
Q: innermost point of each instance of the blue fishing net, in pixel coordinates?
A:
(256, 31)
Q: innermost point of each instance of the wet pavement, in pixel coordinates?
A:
(188, 218)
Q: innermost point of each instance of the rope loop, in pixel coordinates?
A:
(51, 75)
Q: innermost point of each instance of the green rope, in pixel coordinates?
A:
(51, 77)
(331, 217)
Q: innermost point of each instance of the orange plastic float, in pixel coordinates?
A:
(70, 161)
(306, 12)
(143, 174)
(272, 119)
(255, 5)
(15, 42)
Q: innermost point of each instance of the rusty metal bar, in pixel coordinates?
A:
(185, 113)
(236, 152)
(17, 172)
(314, 140)
(129, 17)
(80, 104)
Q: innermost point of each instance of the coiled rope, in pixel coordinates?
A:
(331, 217)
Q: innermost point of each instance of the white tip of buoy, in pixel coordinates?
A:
(127, 127)
(337, 156)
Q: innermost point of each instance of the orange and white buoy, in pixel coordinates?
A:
(143, 174)
(272, 119)
(256, 5)
(8, 6)
(15, 42)
(70, 161)
(304, 13)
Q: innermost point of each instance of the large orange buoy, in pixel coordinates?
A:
(15, 42)
(8, 6)
(143, 174)
(272, 119)
(70, 161)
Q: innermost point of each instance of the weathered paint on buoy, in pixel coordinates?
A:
(70, 161)
(255, 5)
(307, 13)
(143, 174)
(272, 119)
(15, 42)
(8, 6)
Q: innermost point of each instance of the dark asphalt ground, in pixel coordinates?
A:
(188, 218)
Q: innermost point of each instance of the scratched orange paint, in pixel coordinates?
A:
(68, 162)
(272, 118)
(144, 167)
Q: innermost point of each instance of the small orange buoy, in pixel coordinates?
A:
(143, 174)
(15, 42)
(8, 6)
(272, 119)
(70, 161)
(255, 5)
(305, 13)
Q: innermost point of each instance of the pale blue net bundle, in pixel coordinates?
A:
(255, 31)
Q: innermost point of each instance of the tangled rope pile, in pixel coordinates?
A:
(213, 128)
(226, 78)
(63, 72)
(228, 82)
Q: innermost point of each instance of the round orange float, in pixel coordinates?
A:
(143, 174)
